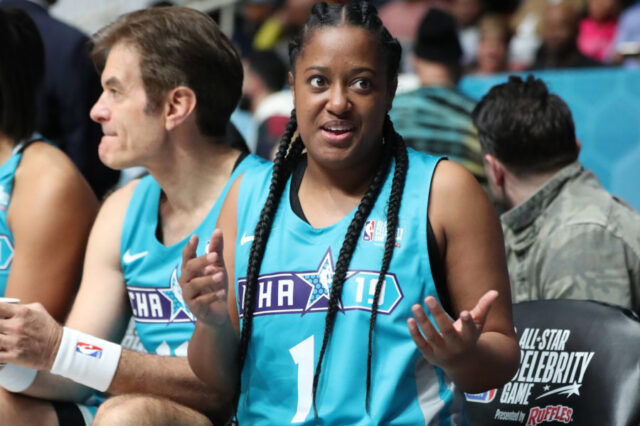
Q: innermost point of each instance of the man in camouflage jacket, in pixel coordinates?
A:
(566, 237)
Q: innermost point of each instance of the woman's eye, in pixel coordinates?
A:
(316, 81)
(362, 84)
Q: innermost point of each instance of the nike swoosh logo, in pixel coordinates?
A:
(246, 239)
(129, 258)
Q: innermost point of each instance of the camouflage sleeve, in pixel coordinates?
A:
(586, 261)
(633, 260)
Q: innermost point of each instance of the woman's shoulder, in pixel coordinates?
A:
(455, 193)
(41, 159)
(45, 172)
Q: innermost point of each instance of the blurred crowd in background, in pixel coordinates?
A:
(484, 37)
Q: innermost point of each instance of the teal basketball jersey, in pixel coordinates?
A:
(7, 175)
(290, 308)
(151, 269)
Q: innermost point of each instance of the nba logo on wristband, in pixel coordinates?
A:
(89, 350)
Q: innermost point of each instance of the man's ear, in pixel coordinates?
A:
(179, 104)
(495, 170)
(578, 145)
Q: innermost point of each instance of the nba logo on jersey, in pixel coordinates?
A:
(369, 228)
(89, 350)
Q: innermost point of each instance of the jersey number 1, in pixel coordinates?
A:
(303, 355)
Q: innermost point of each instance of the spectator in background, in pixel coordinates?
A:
(436, 118)
(627, 40)
(288, 18)
(597, 30)
(402, 18)
(71, 86)
(265, 76)
(525, 23)
(566, 237)
(467, 14)
(493, 48)
(559, 34)
(251, 15)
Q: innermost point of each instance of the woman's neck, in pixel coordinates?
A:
(327, 195)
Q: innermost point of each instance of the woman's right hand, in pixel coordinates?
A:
(204, 281)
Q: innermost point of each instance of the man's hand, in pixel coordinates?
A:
(29, 336)
(204, 281)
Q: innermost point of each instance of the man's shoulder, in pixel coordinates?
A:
(585, 213)
(120, 198)
(585, 201)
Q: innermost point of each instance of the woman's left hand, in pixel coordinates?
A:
(456, 339)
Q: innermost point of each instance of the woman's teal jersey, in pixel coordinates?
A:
(7, 175)
(291, 304)
(151, 269)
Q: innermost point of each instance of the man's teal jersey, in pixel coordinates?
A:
(151, 269)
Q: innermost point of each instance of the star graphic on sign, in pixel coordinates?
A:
(546, 388)
(174, 294)
(320, 281)
(572, 389)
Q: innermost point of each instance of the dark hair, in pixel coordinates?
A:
(437, 38)
(361, 14)
(180, 46)
(269, 67)
(527, 128)
(21, 73)
(358, 13)
(437, 42)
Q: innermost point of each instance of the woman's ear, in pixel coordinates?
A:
(292, 86)
(391, 93)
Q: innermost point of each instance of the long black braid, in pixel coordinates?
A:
(284, 160)
(361, 14)
(344, 258)
(393, 208)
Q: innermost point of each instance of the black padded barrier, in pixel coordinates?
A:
(579, 365)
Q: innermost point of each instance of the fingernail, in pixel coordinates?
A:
(431, 302)
(220, 293)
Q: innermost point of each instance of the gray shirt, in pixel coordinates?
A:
(573, 240)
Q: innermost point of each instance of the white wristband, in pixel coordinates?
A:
(86, 359)
(15, 378)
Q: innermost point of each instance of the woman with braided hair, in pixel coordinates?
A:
(328, 262)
